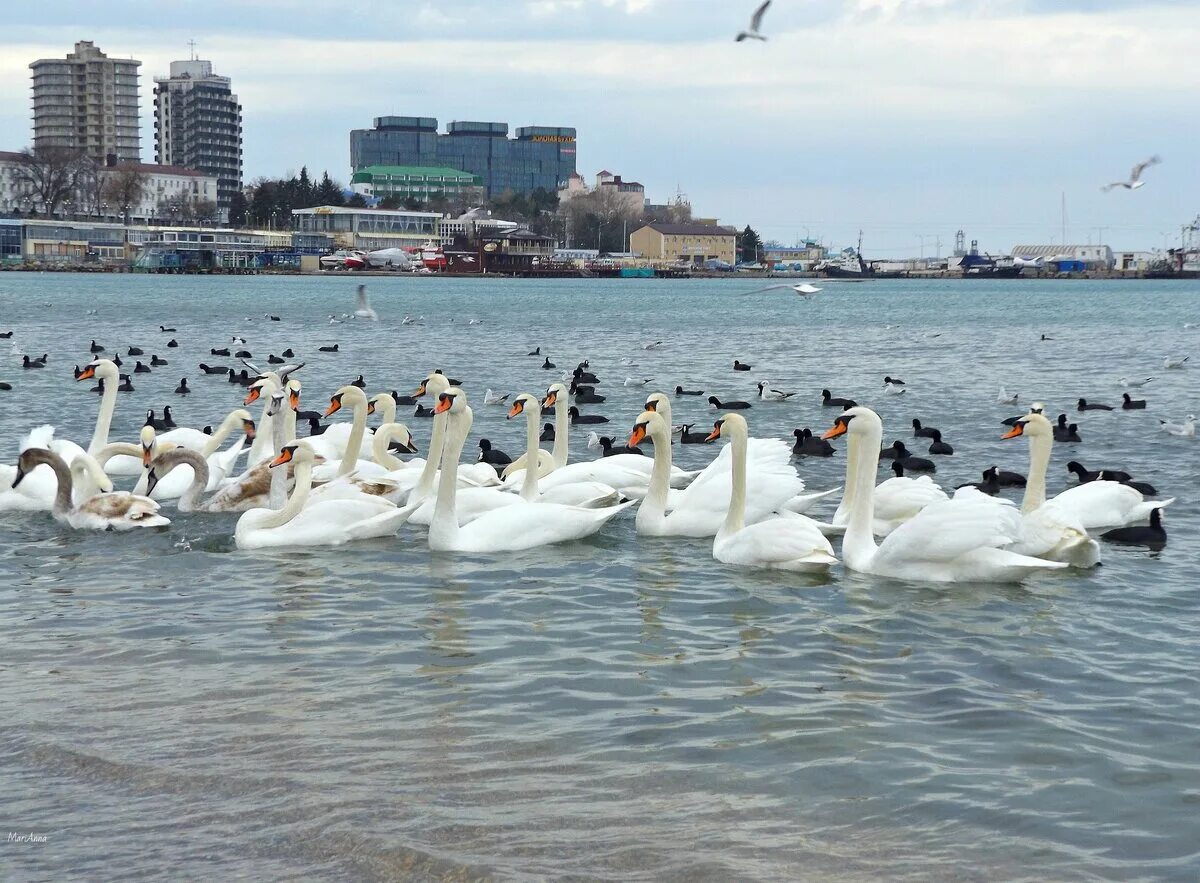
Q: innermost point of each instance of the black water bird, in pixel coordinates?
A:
(547, 365)
(1085, 405)
(182, 389)
(164, 328)
(1154, 535)
(96, 348)
(680, 391)
(608, 449)
(687, 437)
(492, 456)
(828, 401)
(136, 351)
(938, 446)
(332, 348)
(738, 366)
(139, 368)
(172, 343)
(126, 384)
(727, 406)
(156, 362)
(578, 418)
(223, 351)
(359, 382)
(1130, 404)
(922, 431)
(808, 445)
(214, 369)
(547, 432)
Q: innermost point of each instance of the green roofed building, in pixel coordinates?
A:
(418, 182)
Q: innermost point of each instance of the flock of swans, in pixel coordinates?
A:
(348, 484)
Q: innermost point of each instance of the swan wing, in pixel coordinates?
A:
(790, 542)
(948, 530)
(1106, 504)
(530, 525)
(117, 511)
(469, 504)
(184, 437)
(771, 481)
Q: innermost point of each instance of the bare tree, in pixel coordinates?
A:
(51, 173)
(205, 211)
(124, 188)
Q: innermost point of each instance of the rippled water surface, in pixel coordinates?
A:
(623, 707)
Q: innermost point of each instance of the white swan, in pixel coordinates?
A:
(788, 542)
(39, 487)
(262, 448)
(700, 509)
(949, 541)
(330, 522)
(523, 526)
(103, 511)
(1088, 506)
(589, 494)
(357, 436)
(220, 463)
(435, 384)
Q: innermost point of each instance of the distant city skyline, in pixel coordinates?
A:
(908, 119)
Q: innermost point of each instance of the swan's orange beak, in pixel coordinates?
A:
(638, 435)
(550, 399)
(252, 396)
(517, 409)
(248, 428)
(370, 407)
(834, 431)
(294, 400)
(335, 405)
(444, 404)
(652, 406)
(716, 433)
(285, 456)
(420, 390)
(147, 455)
(1017, 430)
(87, 373)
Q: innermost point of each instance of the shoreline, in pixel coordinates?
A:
(666, 275)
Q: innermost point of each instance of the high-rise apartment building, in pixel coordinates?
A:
(538, 157)
(198, 125)
(87, 102)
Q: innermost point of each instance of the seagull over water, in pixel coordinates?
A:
(1135, 177)
(755, 24)
(803, 289)
(363, 309)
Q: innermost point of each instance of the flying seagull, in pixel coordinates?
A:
(1135, 177)
(755, 24)
(363, 309)
(803, 289)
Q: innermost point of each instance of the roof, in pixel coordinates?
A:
(351, 210)
(1045, 251)
(690, 230)
(425, 171)
(9, 156)
(516, 233)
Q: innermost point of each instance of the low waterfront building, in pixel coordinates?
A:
(1092, 257)
(421, 183)
(368, 228)
(37, 241)
(685, 243)
(800, 257)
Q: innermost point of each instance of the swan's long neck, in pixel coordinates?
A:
(260, 449)
(357, 430)
(843, 509)
(437, 443)
(858, 546)
(115, 449)
(289, 423)
(1039, 461)
(222, 432)
(191, 497)
(655, 501)
(278, 490)
(389, 410)
(529, 486)
(562, 439)
(294, 503)
(66, 485)
(108, 404)
(445, 517)
(86, 476)
(379, 447)
(735, 517)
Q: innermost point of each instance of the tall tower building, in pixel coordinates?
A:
(198, 125)
(87, 102)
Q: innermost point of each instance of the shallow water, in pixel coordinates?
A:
(620, 708)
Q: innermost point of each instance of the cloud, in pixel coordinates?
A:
(975, 111)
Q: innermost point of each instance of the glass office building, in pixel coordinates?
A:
(539, 156)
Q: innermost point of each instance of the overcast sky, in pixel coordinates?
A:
(900, 117)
